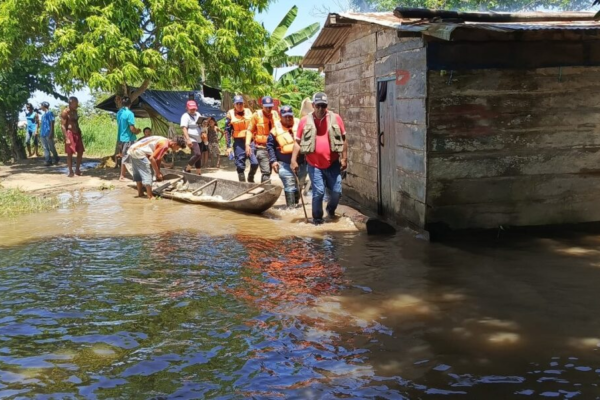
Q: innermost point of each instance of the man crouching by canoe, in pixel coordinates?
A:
(146, 156)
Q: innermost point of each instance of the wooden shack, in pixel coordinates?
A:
(467, 124)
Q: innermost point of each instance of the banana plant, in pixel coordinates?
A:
(279, 43)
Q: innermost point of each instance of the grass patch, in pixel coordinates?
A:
(16, 202)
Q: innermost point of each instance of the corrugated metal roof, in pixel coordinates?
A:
(337, 25)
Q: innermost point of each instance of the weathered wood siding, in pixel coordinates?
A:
(404, 59)
(349, 83)
(513, 147)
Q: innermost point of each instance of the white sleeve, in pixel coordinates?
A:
(184, 120)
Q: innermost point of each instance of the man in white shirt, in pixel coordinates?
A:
(190, 121)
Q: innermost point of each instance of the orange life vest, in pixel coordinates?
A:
(262, 127)
(285, 136)
(240, 125)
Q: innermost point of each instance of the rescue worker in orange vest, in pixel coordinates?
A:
(280, 145)
(261, 124)
(238, 119)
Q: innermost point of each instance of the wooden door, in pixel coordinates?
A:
(387, 151)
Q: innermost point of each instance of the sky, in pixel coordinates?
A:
(309, 11)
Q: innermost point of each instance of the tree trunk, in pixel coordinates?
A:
(12, 145)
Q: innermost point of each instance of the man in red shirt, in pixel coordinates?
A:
(321, 137)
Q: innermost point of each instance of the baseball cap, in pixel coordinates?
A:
(192, 105)
(320, 98)
(238, 99)
(45, 104)
(286, 111)
(267, 101)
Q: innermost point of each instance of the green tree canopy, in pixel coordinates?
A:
(113, 44)
(480, 5)
(276, 49)
(24, 31)
(298, 85)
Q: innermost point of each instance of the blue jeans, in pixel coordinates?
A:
(287, 176)
(330, 178)
(239, 149)
(48, 145)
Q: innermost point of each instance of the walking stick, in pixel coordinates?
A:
(301, 197)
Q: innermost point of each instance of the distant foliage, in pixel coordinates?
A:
(301, 84)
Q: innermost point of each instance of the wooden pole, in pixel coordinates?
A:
(301, 197)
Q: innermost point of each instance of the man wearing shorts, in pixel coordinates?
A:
(126, 131)
(70, 128)
(146, 155)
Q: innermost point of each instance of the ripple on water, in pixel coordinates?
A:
(202, 315)
(181, 314)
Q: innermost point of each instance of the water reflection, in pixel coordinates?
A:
(179, 314)
(222, 305)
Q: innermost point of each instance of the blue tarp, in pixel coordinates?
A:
(170, 105)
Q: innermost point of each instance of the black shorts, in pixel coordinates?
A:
(203, 147)
(122, 148)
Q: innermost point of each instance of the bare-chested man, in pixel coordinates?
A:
(70, 128)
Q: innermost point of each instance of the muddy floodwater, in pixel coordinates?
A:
(112, 297)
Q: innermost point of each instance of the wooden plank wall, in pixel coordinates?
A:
(349, 83)
(513, 147)
(405, 60)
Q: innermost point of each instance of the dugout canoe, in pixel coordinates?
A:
(255, 201)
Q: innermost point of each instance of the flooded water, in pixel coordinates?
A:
(122, 298)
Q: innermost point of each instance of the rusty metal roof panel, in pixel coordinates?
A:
(337, 26)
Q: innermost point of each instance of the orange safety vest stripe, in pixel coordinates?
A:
(285, 138)
(240, 125)
(262, 129)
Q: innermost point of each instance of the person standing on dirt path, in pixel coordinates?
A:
(281, 146)
(73, 142)
(146, 156)
(239, 119)
(213, 142)
(321, 138)
(126, 132)
(261, 124)
(33, 129)
(191, 133)
(47, 135)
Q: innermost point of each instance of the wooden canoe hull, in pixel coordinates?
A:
(254, 204)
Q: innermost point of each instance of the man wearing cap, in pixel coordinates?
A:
(322, 138)
(261, 124)
(47, 135)
(237, 127)
(191, 133)
(280, 146)
(126, 132)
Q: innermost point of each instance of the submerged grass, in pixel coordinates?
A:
(15, 202)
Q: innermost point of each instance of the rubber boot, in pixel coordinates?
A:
(290, 200)
(264, 178)
(252, 173)
(241, 177)
(297, 197)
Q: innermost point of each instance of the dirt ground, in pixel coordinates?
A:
(34, 177)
